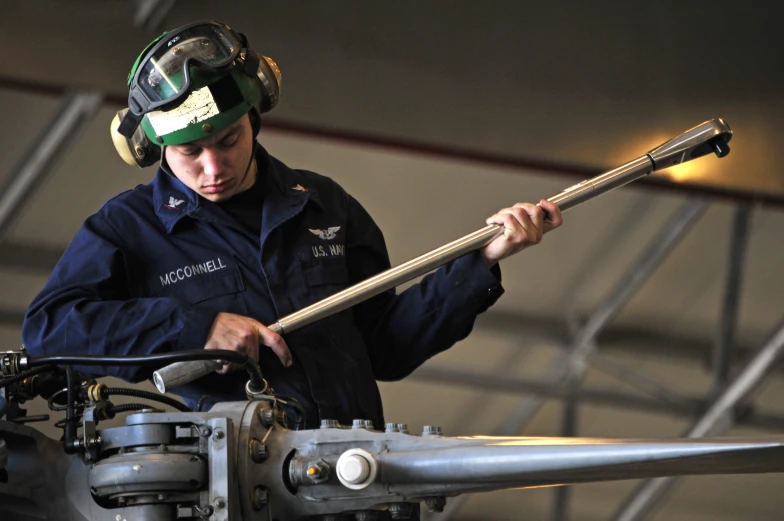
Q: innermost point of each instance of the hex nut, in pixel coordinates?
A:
(259, 498)
(258, 451)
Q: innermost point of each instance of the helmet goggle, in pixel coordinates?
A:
(163, 75)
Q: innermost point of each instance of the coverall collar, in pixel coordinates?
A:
(286, 192)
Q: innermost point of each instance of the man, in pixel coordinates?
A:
(226, 238)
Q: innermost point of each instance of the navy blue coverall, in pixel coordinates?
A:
(149, 272)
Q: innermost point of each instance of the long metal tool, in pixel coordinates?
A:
(710, 136)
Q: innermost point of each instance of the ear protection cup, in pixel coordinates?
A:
(138, 150)
(269, 78)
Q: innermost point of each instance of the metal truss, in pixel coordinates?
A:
(724, 404)
(76, 109)
(720, 416)
(566, 373)
(150, 13)
(714, 422)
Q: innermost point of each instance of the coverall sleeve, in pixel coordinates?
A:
(89, 306)
(404, 330)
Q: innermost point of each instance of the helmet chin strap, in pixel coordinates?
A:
(250, 162)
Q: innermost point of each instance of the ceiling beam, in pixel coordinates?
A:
(689, 406)
(453, 153)
(29, 257)
(76, 110)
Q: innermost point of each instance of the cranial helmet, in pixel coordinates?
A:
(188, 84)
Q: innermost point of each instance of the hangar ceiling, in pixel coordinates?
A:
(434, 115)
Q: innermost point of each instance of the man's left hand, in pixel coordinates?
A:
(524, 225)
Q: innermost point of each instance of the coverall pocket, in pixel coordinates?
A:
(324, 278)
(209, 287)
(212, 285)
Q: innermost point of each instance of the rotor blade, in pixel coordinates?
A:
(533, 462)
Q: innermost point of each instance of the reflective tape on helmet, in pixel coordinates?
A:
(198, 106)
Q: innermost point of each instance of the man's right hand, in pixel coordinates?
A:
(244, 335)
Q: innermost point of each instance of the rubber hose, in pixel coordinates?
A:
(137, 393)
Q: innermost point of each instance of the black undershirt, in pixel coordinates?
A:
(246, 207)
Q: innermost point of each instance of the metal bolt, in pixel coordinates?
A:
(435, 503)
(358, 424)
(207, 128)
(431, 430)
(367, 515)
(266, 417)
(220, 503)
(258, 451)
(206, 512)
(91, 441)
(400, 510)
(369, 425)
(281, 418)
(205, 432)
(219, 434)
(391, 427)
(259, 498)
(161, 497)
(402, 427)
(317, 471)
(329, 424)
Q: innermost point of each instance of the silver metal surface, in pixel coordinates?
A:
(221, 469)
(407, 271)
(147, 481)
(532, 462)
(694, 143)
(180, 373)
(133, 435)
(63, 129)
(601, 184)
(150, 473)
(717, 419)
